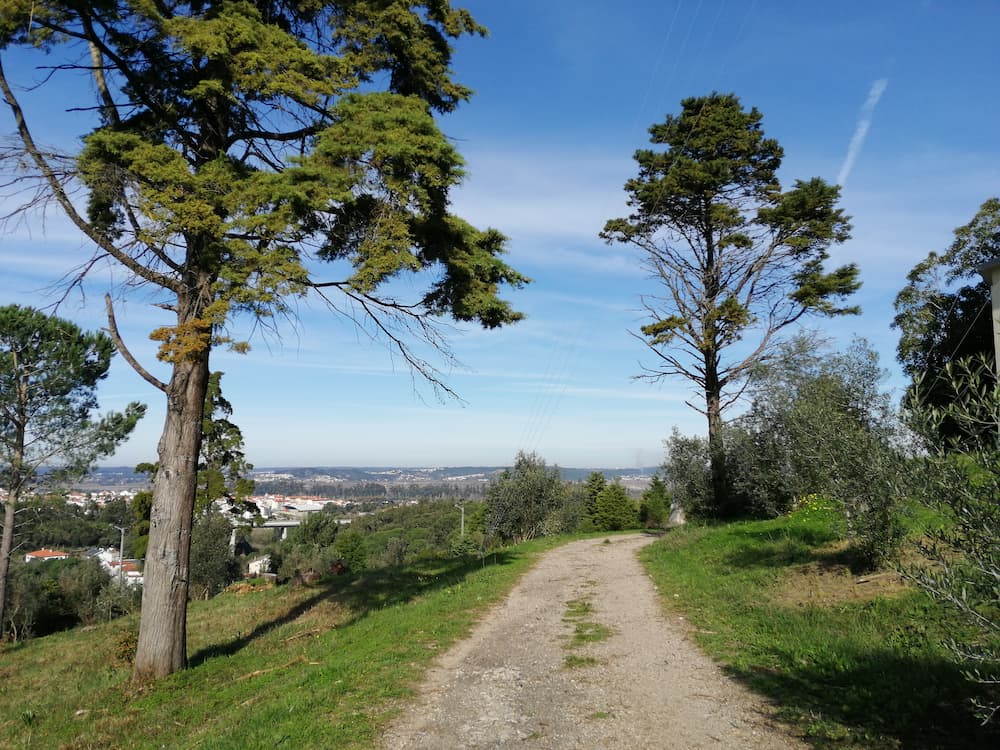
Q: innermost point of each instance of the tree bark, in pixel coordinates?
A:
(6, 547)
(13, 495)
(716, 444)
(162, 644)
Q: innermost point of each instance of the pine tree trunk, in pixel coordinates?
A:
(716, 445)
(162, 645)
(6, 547)
(14, 491)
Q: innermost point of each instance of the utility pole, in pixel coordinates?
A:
(991, 273)
(462, 508)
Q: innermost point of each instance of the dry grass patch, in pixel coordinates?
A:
(827, 583)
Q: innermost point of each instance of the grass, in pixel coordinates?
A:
(575, 661)
(589, 632)
(852, 662)
(577, 609)
(584, 632)
(853, 665)
(313, 667)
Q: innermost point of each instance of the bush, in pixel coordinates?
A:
(45, 597)
(213, 566)
(573, 512)
(519, 501)
(688, 471)
(818, 423)
(654, 507)
(350, 547)
(318, 529)
(959, 480)
(81, 587)
(614, 511)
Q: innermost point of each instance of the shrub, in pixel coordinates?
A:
(654, 507)
(350, 547)
(960, 480)
(687, 469)
(212, 566)
(573, 512)
(818, 423)
(520, 500)
(614, 511)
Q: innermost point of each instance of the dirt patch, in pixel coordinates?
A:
(828, 582)
(520, 680)
(248, 587)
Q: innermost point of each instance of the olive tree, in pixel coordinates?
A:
(519, 500)
(960, 481)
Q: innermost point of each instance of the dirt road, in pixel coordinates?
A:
(580, 655)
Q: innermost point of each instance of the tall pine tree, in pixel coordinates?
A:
(737, 259)
(244, 153)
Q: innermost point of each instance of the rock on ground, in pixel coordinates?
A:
(519, 681)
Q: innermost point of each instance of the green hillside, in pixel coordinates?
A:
(300, 667)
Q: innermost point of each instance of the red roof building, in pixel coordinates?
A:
(45, 554)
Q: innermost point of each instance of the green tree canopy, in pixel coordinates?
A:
(613, 510)
(213, 566)
(244, 153)
(942, 313)
(521, 498)
(223, 470)
(737, 259)
(49, 372)
(821, 423)
(654, 507)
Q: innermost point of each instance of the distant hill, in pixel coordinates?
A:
(122, 476)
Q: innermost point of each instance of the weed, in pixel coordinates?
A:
(577, 608)
(589, 632)
(574, 661)
(123, 653)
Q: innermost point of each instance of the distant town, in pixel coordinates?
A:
(348, 484)
(289, 494)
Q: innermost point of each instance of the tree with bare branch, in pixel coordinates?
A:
(245, 153)
(737, 259)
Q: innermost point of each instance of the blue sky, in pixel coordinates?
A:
(899, 100)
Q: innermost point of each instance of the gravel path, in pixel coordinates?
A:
(508, 685)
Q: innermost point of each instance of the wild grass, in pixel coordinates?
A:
(853, 662)
(589, 632)
(577, 609)
(312, 667)
(584, 632)
(575, 661)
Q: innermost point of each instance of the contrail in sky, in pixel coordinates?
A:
(864, 122)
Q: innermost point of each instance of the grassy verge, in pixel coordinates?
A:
(315, 667)
(854, 662)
